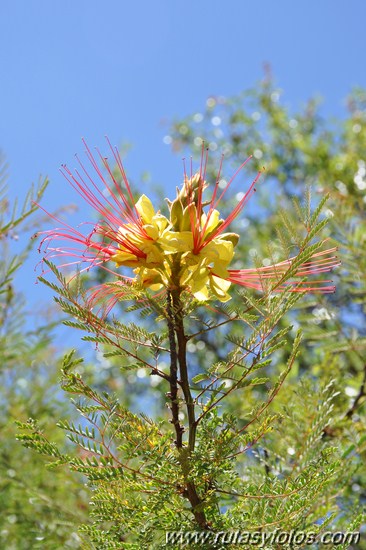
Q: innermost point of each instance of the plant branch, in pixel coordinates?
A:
(183, 368)
(173, 394)
(178, 355)
(360, 395)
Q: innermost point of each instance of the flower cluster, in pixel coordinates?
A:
(189, 250)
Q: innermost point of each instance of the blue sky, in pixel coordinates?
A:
(76, 68)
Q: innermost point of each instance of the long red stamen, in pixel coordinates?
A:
(320, 262)
(204, 160)
(110, 236)
(217, 184)
(127, 207)
(118, 160)
(198, 232)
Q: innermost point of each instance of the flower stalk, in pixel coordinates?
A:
(179, 366)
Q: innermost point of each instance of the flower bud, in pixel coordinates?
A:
(188, 193)
(176, 214)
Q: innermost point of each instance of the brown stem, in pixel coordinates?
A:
(195, 501)
(174, 376)
(178, 356)
(183, 368)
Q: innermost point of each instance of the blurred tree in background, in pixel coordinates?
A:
(317, 440)
(38, 508)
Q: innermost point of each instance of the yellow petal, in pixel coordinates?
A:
(152, 231)
(219, 251)
(125, 258)
(220, 287)
(160, 222)
(202, 295)
(176, 241)
(221, 271)
(145, 208)
(213, 222)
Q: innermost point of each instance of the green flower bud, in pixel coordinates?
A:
(188, 193)
(176, 214)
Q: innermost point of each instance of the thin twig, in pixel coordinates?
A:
(360, 395)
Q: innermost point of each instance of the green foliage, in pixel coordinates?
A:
(38, 509)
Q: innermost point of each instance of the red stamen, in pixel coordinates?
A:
(255, 278)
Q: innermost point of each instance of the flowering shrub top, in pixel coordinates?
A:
(190, 250)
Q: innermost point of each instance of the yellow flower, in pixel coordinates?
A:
(190, 251)
(139, 243)
(203, 260)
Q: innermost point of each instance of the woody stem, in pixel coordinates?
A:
(183, 368)
(174, 376)
(178, 356)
